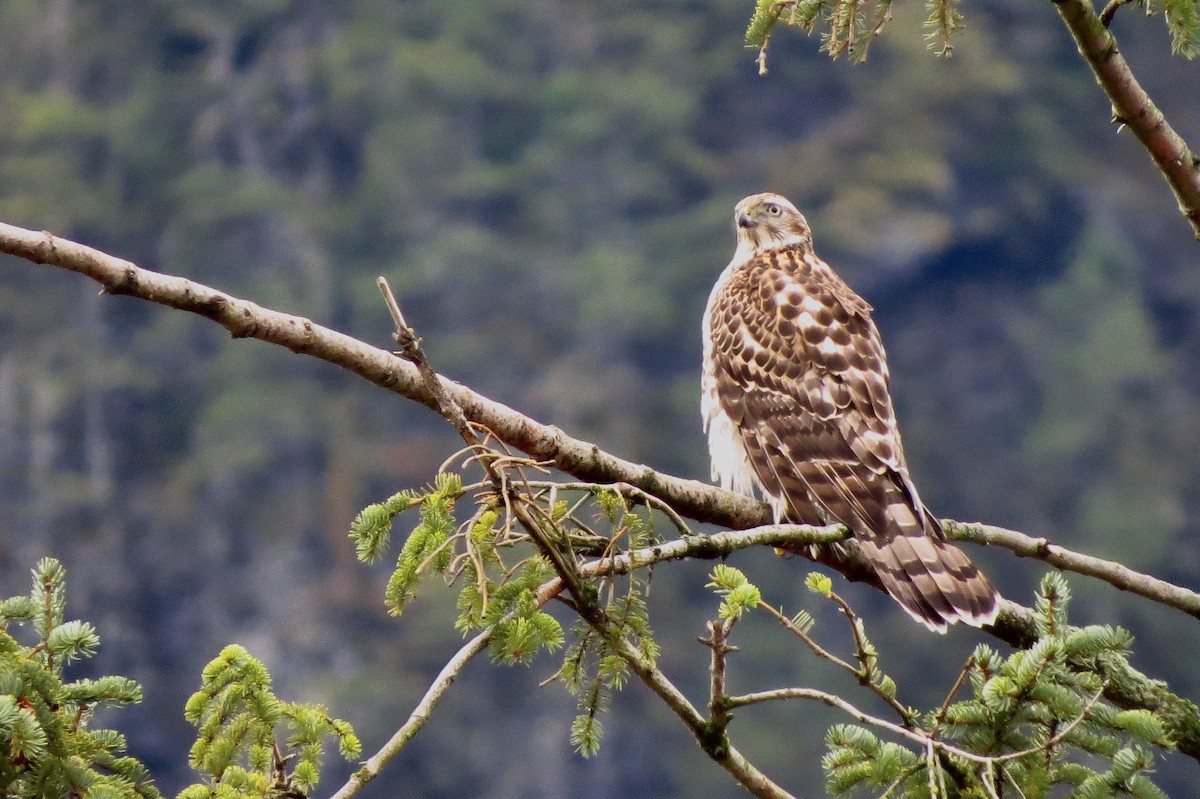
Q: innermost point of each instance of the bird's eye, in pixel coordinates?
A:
(774, 210)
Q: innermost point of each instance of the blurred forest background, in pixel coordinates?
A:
(549, 184)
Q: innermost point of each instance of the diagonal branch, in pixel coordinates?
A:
(416, 720)
(412, 351)
(689, 498)
(585, 461)
(1132, 106)
(1111, 572)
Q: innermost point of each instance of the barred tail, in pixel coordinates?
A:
(932, 580)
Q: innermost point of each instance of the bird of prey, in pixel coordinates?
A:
(794, 396)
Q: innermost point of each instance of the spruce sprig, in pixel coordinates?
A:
(1035, 720)
(49, 745)
(240, 721)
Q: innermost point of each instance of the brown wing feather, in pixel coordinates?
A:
(801, 373)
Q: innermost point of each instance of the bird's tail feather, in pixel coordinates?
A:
(932, 580)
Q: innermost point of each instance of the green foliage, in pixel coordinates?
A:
(427, 547)
(590, 672)
(493, 594)
(371, 529)
(1036, 716)
(1183, 23)
(819, 583)
(738, 595)
(857, 756)
(238, 747)
(762, 21)
(501, 595)
(520, 629)
(593, 666)
(847, 27)
(50, 746)
(943, 22)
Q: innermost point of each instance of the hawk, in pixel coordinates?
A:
(795, 404)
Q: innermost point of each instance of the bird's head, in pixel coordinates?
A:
(762, 221)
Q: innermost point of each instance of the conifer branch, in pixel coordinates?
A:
(585, 461)
(913, 734)
(707, 547)
(1110, 11)
(1132, 106)
(718, 642)
(515, 503)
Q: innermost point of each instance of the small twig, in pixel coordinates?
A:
(817, 649)
(896, 783)
(718, 642)
(472, 551)
(762, 55)
(1012, 781)
(279, 765)
(635, 493)
(940, 717)
(432, 556)
(416, 720)
(865, 653)
(1170, 153)
(859, 674)
(989, 782)
(1111, 572)
(916, 735)
(411, 350)
(932, 772)
(835, 701)
(856, 632)
(626, 490)
(1110, 10)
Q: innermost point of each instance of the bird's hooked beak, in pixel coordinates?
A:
(744, 220)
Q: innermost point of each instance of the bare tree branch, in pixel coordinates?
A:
(585, 461)
(1132, 106)
(416, 720)
(1111, 572)
(245, 319)
(914, 734)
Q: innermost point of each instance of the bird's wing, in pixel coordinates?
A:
(800, 370)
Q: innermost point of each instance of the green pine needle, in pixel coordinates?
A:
(1183, 23)
(1044, 700)
(238, 717)
(819, 583)
(46, 724)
